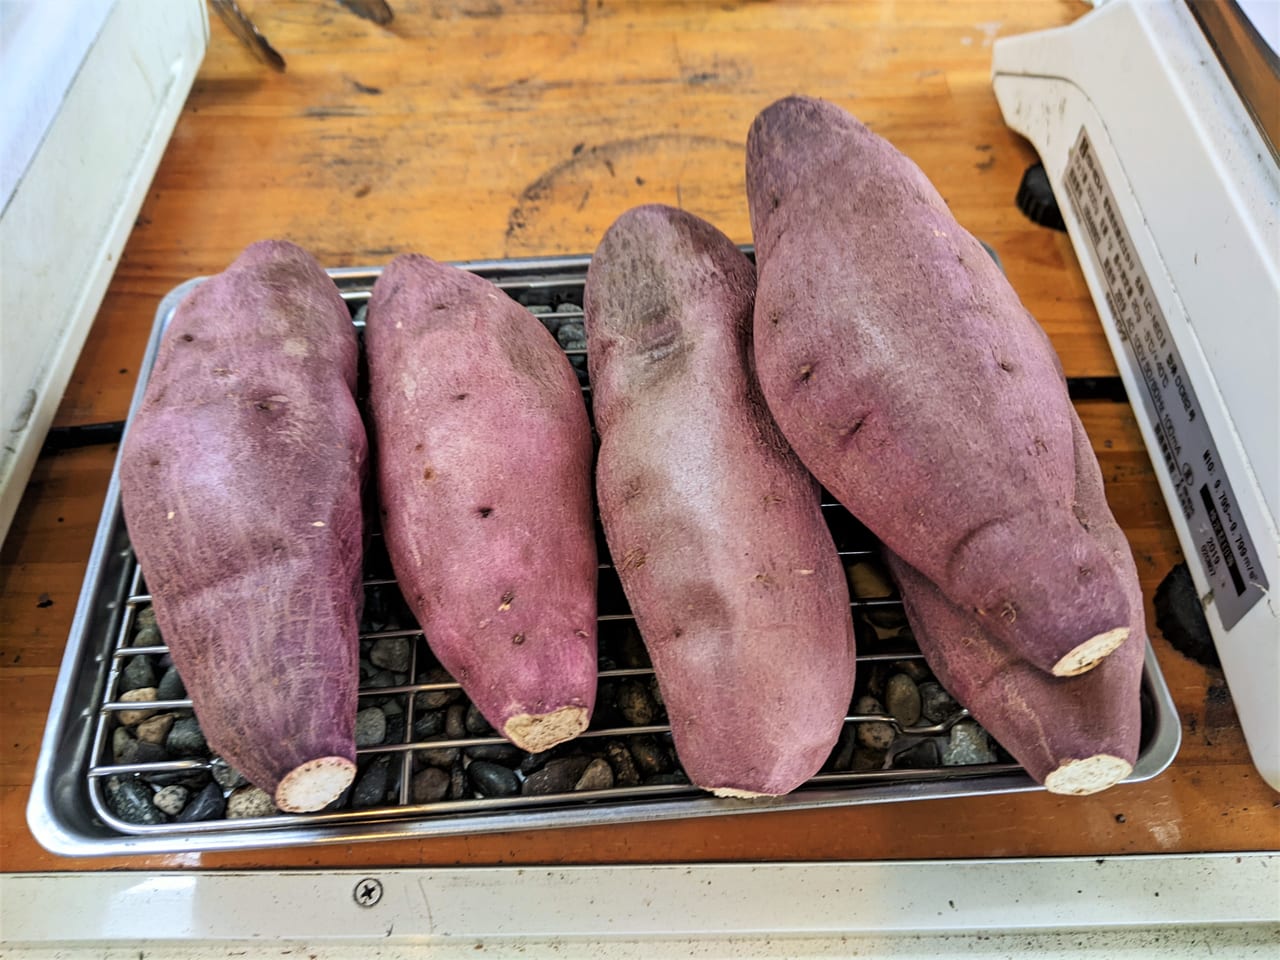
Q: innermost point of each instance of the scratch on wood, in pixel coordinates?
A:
(364, 88)
(601, 157)
(340, 110)
(526, 87)
(471, 9)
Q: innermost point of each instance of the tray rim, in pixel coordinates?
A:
(59, 837)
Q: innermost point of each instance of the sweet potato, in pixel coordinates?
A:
(713, 524)
(907, 376)
(1076, 735)
(241, 479)
(484, 472)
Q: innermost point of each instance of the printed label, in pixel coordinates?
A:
(1186, 447)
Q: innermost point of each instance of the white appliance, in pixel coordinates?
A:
(1156, 122)
(90, 91)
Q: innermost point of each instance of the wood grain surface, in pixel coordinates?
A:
(495, 128)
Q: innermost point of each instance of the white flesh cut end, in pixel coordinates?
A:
(315, 784)
(739, 794)
(536, 732)
(1090, 653)
(1078, 778)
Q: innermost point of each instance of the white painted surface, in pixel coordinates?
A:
(1182, 943)
(1125, 902)
(64, 227)
(42, 44)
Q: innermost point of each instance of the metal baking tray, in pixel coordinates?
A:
(70, 812)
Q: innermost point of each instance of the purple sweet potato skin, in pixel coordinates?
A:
(713, 524)
(905, 373)
(241, 477)
(1043, 721)
(484, 474)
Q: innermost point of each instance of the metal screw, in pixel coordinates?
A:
(368, 892)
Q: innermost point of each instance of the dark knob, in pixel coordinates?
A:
(1036, 199)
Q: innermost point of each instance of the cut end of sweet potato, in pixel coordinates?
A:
(536, 732)
(1089, 654)
(739, 794)
(315, 784)
(1079, 778)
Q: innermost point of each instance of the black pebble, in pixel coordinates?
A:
(879, 674)
(631, 650)
(917, 670)
(140, 751)
(606, 713)
(208, 804)
(186, 739)
(535, 761)
(137, 674)
(493, 780)
(384, 678)
(395, 728)
(341, 802)
(395, 768)
(842, 753)
(435, 699)
(372, 785)
(507, 754)
(625, 773)
(440, 756)
(171, 686)
(650, 756)
(667, 779)
(227, 776)
(936, 705)
(374, 616)
(455, 726)
(458, 780)
(476, 724)
(571, 335)
(427, 725)
(431, 785)
(635, 704)
(924, 755)
(558, 776)
(131, 801)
